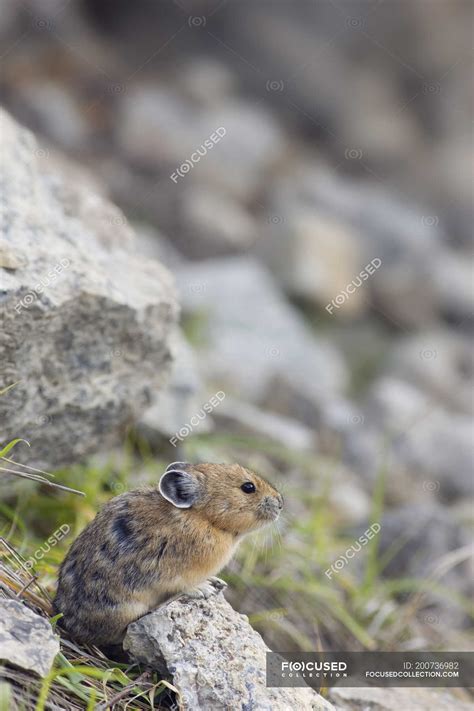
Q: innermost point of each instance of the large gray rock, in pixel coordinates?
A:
(216, 660)
(84, 321)
(26, 639)
(253, 337)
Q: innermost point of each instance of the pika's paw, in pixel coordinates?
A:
(206, 590)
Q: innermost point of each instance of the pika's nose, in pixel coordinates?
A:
(273, 504)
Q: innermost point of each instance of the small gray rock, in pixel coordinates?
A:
(439, 362)
(314, 256)
(254, 337)
(387, 699)
(216, 660)
(242, 416)
(154, 245)
(207, 81)
(211, 224)
(54, 111)
(253, 143)
(154, 130)
(153, 127)
(405, 239)
(9, 18)
(181, 398)
(26, 639)
(396, 406)
(419, 536)
(440, 451)
(453, 283)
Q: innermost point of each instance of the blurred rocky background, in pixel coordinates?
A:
(322, 252)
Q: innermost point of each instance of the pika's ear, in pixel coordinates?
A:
(177, 465)
(179, 487)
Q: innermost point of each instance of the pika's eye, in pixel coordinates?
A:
(248, 487)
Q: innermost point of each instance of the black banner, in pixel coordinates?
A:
(320, 669)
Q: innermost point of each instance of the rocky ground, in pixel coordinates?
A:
(319, 250)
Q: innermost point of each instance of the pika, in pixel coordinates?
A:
(151, 544)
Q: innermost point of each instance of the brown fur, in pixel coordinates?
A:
(140, 549)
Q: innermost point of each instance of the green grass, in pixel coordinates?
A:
(276, 578)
